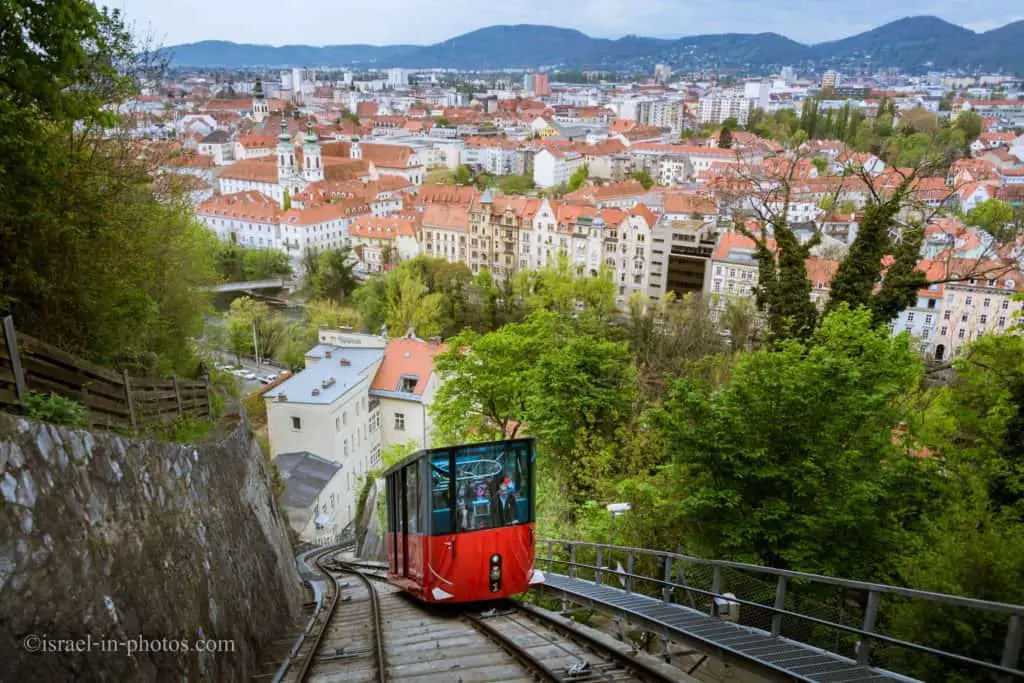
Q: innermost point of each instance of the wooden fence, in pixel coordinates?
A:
(112, 399)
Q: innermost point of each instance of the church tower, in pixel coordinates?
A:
(312, 162)
(285, 156)
(260, 108)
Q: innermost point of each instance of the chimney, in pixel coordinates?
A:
(327, 354)
(316, 392)
(344, 362)
(282, 398)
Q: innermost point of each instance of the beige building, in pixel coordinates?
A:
(977, 306)
(495, 222)
(445, 229)
(405, 386)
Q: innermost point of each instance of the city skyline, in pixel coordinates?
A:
(432, 21)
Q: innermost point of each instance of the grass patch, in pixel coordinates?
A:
(182, 430)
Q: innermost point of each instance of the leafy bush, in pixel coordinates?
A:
(54, 409)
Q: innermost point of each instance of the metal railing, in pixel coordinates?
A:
(834, 614)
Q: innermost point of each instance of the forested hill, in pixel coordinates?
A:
(911, 44)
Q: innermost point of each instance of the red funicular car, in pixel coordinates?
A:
(461, 522)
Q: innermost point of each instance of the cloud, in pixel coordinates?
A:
(318, 22)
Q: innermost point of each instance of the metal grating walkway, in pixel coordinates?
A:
(793, 660)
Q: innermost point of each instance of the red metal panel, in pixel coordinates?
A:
(459, 564)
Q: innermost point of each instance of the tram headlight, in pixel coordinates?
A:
(495, 573)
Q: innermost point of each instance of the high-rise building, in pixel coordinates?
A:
(398, 78)
(537, 84)
(788, 75)
(662, 72)
(717, 106)
(829, 80)
(541, 87)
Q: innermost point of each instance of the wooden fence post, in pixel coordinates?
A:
(11, 339)
(128, 399)
(209, 398)
(177, 396)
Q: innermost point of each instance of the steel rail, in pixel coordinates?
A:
(517, 652)
(640, 669)
(375, 615)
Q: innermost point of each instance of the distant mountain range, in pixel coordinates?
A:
(913, 44)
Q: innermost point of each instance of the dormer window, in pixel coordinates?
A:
(407, 384)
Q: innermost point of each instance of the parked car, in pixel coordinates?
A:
(268, 378)
(251, 376)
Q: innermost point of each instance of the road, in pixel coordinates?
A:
(248, 385)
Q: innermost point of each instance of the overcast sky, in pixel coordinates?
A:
(332, 22)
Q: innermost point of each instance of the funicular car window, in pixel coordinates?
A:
(412, 497)
(441, 493)
(492, 485)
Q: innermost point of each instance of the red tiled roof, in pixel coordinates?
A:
(382, 227)
(446, 216)
(249, 205)
(407, 358)
(686, 203)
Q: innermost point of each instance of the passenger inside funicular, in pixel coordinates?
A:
(504, 508)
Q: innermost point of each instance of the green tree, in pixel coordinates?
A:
(783, 290)
(326, 314)
(971, 125)
(578, 177)
(821, 164)
(566, 385)
(793, 462)
(91, 260)
(443, 122)
(439, 176)
(857, 277)
(516, 184)
(995, 217)
(725, 138)
(252, 323)
(411, 308)
(333, 277)
(463, 176)
(644, 178)
(286, 202)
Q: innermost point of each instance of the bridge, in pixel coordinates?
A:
(772, 622)
(280, 283)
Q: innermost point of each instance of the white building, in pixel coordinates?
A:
(717, 106)
(554, 167)
(326, 410)
(398, 78)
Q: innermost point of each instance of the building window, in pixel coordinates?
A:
(1002, 322)
(407, 385)
(296, 424)
(961, 333)
(983, 319)
(969, 300)
(375, 456)
(400, 422)
(910, 317)
(986, 302)
(927, 320)
(944, 330)
(337, 424)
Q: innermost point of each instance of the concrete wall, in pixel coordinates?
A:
(115, 539)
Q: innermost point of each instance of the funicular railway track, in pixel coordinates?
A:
(543, 647)
(367, 630)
